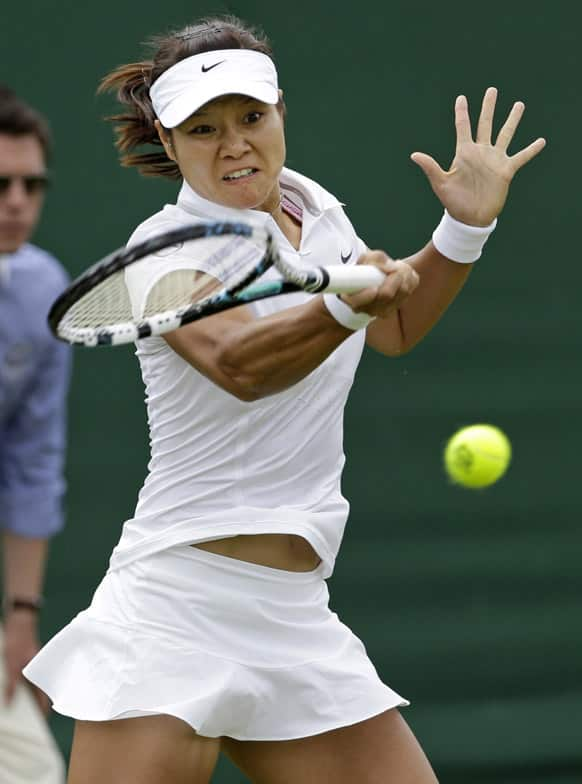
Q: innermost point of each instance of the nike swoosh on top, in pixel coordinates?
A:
(205, 69)
(346, 258)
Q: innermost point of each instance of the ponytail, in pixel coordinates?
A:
(135, 127)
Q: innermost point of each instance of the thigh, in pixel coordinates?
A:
(145, 750)
(381, 750)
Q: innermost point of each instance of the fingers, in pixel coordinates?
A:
(509, 128)
(430, 167)
(360, 299)
(378, 258)
(13, 678)
(41, 700)
(10, 686)
(507, 133)
(485, 125)
(529, 152)
(401, 281)
(462, 121)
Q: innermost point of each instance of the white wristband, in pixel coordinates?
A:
(459, 241)
(344, 315)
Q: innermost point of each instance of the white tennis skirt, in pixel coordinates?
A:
(232, 648)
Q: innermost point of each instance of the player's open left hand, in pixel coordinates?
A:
(381, 301)
(475, 187)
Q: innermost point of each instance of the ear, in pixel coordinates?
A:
(166, 140)
(282, 109)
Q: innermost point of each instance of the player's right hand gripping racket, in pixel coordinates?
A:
(184, 275)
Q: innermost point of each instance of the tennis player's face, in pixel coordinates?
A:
(231, 152)
(22, 173)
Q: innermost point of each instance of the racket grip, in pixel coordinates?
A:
(347, 280)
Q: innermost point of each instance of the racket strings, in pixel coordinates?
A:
(108, 302)
(150, 287)
(227, 262)
(179, 289)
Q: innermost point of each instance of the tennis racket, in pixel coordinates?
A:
(183, 275)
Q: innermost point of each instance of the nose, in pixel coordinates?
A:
(15, 197)
(233, 143)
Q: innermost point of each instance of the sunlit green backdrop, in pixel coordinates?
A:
(469, 602)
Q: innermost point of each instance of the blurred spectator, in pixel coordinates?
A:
(34, 376)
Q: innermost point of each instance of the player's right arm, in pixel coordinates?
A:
(253, 357)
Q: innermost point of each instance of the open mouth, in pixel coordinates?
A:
(240, 174)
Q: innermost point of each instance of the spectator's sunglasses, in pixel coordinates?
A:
(33, 183)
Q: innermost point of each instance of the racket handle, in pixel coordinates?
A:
(347, 280)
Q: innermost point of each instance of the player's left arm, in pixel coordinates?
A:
(440, 280)
(473, 191)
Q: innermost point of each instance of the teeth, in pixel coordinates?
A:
(235, 175)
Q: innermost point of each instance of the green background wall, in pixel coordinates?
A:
(469, 602)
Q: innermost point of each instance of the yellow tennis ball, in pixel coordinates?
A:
(477, 456)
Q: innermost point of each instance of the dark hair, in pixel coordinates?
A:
(17, 118)
(132, 82)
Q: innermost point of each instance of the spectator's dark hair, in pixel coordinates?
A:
(17, 118)
(131, 83)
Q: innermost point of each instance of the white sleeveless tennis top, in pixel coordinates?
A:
(219, 466)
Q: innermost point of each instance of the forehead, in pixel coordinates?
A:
(21, 154)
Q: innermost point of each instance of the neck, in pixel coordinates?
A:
(278, 210)
(272, 203)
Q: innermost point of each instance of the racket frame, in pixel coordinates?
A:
(338, 279)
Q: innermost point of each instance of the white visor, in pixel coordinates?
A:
(192, 82)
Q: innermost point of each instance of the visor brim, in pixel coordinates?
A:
(190, 100)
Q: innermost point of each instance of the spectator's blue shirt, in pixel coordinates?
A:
(34, 377)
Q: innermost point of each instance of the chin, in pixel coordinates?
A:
(11, 247)
(245, 203)
(252, 197)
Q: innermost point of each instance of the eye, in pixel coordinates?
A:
(253, 117)
(200, 130)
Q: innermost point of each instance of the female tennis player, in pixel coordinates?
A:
(211, 629)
